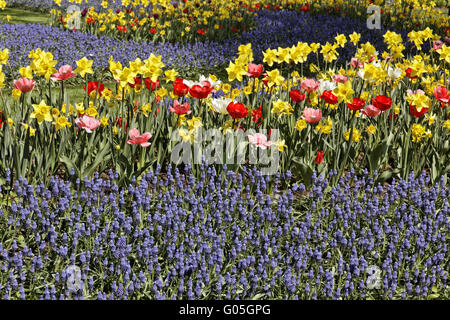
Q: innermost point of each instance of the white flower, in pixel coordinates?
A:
(394, 73)
(214, 84)
(361, 74)
(220, 104)
(326, 85)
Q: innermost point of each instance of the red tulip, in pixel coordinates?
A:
(200, 92)
(382, 102)
(237, 110)
(415, 113)
(329, 97)
(296, 95)
(357, 104)
(179, 88)
(319, 157)
(92, 86)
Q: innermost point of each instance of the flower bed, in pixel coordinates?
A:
(224, 236)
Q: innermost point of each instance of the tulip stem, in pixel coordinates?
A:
(349, 144)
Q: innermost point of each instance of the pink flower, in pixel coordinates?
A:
(64, 73)
(180, 108)
(24, 84)
(371, 111)
(309, 85)
(255, 70)
(355, 63)
(418, 91)
(260, 140)
(441, 94)
(87, 123)
(437, 44)
(141, 140)
(340, 78)
(312, 115)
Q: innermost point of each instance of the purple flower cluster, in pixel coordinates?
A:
(275, 29)
(227, 235)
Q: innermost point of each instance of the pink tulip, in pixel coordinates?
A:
(437, 44)
(259, 140)
(180, 108)
(312, 115)
(309, 85)
(141, 140)
(371, 111)
(87, 123)
(340, 78)
(441, 94)
(64, 73)
(24, 84)
(255, 70)
(355, 63)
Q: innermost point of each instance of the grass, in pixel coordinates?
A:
(24, 16)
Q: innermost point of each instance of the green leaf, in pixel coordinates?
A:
(69, 164)
(306, 173)
(376, 155)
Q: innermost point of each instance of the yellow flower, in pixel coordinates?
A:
(115, 130)
(4, 55)
(26, 72)
(300, 125)
(274, 78)
(418, 132)
(10, 122)
(84, 66)
(91, 111)
(281, 145)
(186, 136)
(354, 38)
(235, 72)
(107, 94)
(194, 123)
(16, 94)
(55, 112)
(341, 40)
(270, 56)
(146, 109)
(161, 92)
(171, 75)
(104, 121)
(32, 131)
(282, 107)
(371, 129)
(430, 117)
(226, 87)
(356, 135)
(247, 90)
(344, 92)
(61, 122)
(325, 126)
(446, 125)
(41, 112)
(444, 53)
(117, 146)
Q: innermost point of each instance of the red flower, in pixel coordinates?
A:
(329, 97)
(200, 92)
(319, 157)
(357, 104)
(257, 116)
(237, 110)
(382, 102)
(296, 95)
(92, 86)
(415, 113)
(152, 85)
(122, 29)
(305, 8)
(153, 30)
(137, 81)
(179, 88)
(408, 73)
